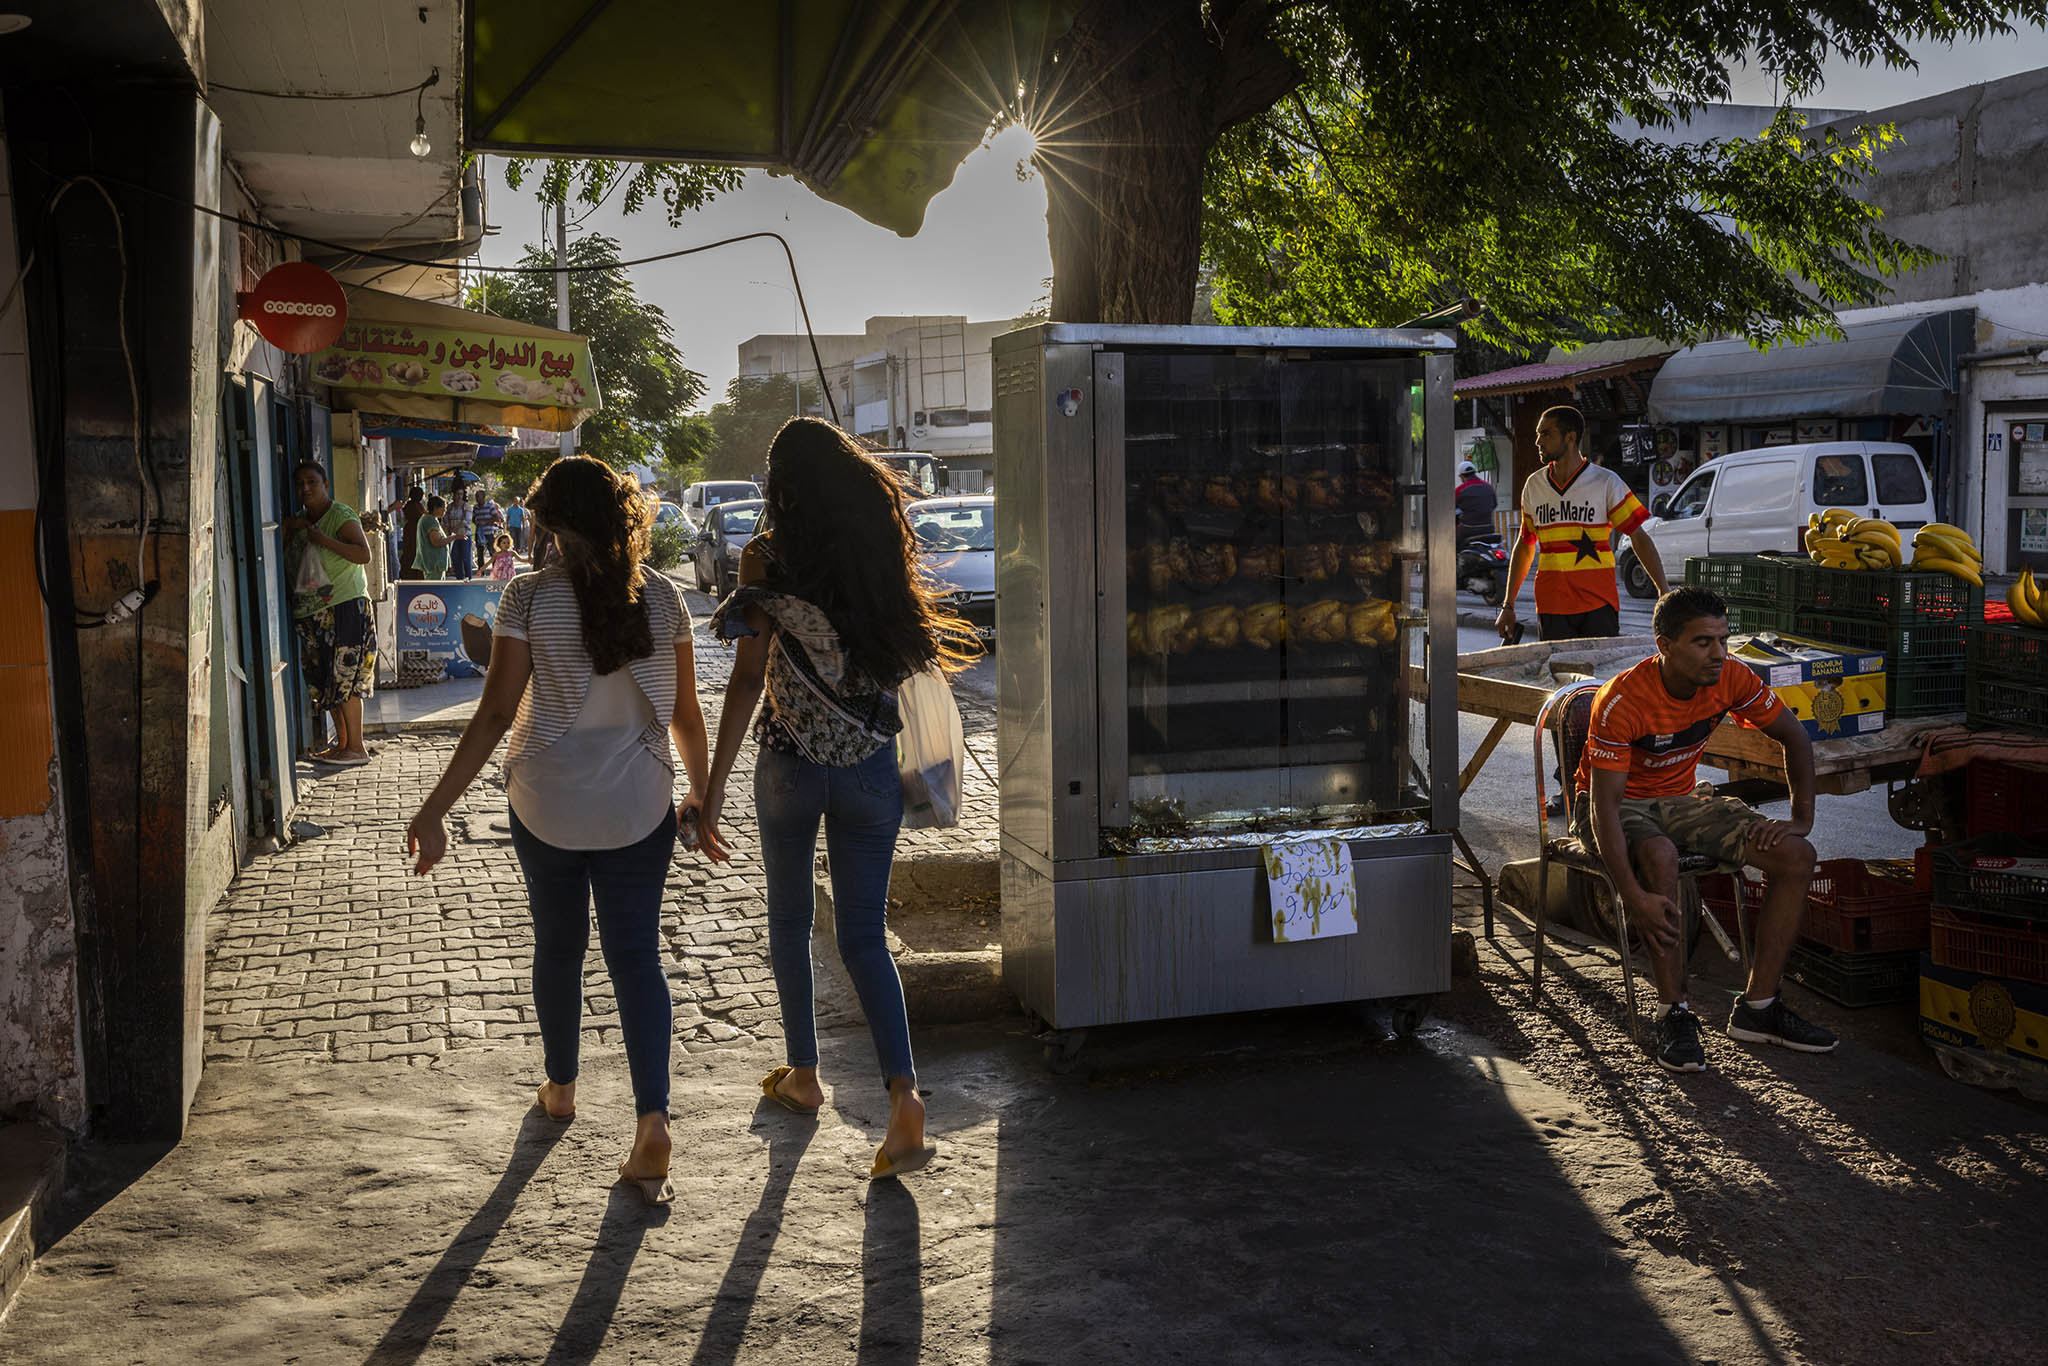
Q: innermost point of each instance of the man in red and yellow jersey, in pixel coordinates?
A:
(1637, 806)
(1571, 512)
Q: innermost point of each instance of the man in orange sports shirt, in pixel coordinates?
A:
(1636, 804)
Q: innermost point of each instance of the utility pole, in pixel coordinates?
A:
(562, 292)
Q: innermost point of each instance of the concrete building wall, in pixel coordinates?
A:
(1968, 178)
(40, 1067)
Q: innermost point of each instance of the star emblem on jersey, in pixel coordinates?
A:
(1585, 548)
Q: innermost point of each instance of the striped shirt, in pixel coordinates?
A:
(1573, 529)
(540, 609)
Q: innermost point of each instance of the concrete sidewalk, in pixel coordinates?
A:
(365, 1177)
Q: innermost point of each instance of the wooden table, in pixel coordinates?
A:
(1850, 764)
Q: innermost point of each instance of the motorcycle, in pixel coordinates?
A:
(1483, 568)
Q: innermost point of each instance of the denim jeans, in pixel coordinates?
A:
(460, 565)
(862, 807)
(626, 884)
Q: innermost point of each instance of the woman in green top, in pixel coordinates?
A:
(430, 553)
(331, 612)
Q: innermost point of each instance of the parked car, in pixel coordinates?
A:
(918, 471)
(1753, 502)
(727, 528)
(666, 512)
(957, 539)
(700, 498)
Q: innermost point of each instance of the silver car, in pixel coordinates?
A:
(957, 538)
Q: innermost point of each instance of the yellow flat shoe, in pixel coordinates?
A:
(909, 1162)
(773, 1080)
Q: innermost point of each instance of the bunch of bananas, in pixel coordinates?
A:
(1842, 540)
(2028, 603)
(1948, 550)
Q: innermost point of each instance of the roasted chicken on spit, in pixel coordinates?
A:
(1318, 623)
(1264, 625)
(1260, 562)
(1163, 630)
(1167, 565)
(1315, 561)
(1219, 628)
(1372, 623)
(1322, 491)
(1367, 561)
(1223, 492)
(1211, 565)
(1277, 494)
(1374, 489)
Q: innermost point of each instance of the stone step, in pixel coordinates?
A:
(31, 1178)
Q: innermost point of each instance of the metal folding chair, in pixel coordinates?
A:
(1571, 707)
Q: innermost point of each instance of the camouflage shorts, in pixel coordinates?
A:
(1717, 827)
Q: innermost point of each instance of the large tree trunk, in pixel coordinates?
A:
(1126, 112)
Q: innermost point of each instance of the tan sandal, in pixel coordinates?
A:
(655, 1190)
(540, 1098)
(885, 1167)
(769, 1084)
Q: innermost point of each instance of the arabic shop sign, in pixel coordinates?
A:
(398, 357)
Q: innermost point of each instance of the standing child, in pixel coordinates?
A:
(503, 566)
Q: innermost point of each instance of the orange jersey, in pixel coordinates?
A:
(1573, 529)
(1640, 729)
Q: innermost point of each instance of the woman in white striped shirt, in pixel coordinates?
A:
(593, 674)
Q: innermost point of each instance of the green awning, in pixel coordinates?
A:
(873, 104)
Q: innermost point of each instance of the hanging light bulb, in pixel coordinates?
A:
(420, 146)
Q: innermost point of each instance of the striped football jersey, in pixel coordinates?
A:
(1573, 529)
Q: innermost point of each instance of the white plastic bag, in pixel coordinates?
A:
(929, 752)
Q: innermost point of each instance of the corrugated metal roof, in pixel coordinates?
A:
(1553, 374)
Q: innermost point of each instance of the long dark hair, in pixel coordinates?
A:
(600, 524)
(838, 539)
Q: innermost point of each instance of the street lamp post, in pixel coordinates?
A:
(796, 382)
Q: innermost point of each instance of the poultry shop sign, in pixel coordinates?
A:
(296, 307)
(458, 364)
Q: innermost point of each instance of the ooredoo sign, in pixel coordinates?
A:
(297, 307)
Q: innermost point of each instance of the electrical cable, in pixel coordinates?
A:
(796, 282)
(432, 80)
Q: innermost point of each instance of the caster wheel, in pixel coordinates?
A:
(1063, 1050)
(1408, 1014)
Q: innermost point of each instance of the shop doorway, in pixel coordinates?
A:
(269, 656)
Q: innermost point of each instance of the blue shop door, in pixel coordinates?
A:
(272, 665)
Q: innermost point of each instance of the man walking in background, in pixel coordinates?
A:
(455, 521)
(1571, 512)
(486, 520)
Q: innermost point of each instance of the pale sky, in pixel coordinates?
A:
(983, 250)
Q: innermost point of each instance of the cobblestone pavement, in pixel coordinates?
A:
(332, 950)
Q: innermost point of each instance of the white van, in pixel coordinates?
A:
(700, 498)
(1749, 502)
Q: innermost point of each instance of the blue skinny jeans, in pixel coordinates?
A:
(626, 885)
(862, 808)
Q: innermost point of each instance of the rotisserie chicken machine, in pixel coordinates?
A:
(1219, 551)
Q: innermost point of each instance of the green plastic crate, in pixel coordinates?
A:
(1894, 597)
(1903, 645)
(1742, 578)
(1998, 703)
(1924, 690)
(2017, 652)
(1856, 979)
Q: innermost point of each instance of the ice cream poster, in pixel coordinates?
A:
(1313, 894)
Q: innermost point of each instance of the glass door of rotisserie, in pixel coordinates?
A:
(1261, 518)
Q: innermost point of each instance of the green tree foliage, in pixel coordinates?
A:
(645, 388)
(678, 189)
(1367, 161)
(754, 409)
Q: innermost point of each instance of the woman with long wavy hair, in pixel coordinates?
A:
(831, 615)
(592, 672)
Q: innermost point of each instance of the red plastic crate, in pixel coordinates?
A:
(1995, 948)
(1855, 909)
(1851, 907)
(2005, 798)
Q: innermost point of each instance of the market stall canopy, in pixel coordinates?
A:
(1563, 369)
(873, 104)
(405, 358)
(1890, 366)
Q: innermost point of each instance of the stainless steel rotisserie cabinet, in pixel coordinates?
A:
(1224, 616)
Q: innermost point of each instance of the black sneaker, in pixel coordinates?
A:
(1555, 806)
(1678, 1041)
(1776, 1023)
